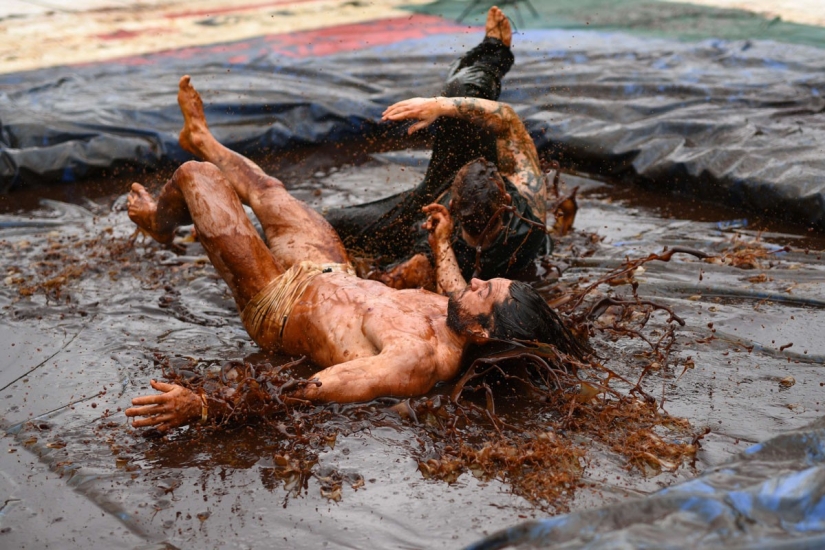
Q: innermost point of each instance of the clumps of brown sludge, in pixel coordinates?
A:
(744, 253)
(47, 265)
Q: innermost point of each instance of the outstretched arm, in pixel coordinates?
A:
(447, 272)
(517, 156)
(178, 406)
(404, 369)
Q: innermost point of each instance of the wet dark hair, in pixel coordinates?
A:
(525, 315)
(478, 193)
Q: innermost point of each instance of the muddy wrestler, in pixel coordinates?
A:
(297, 294)
(484, 168)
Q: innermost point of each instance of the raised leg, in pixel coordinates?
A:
(291, 227)
(388, 227)
(195, 137)
(198, 193)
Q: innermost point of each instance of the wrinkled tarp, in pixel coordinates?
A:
(737, 122)
(770, 496)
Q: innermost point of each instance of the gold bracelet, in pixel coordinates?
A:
(204, 409)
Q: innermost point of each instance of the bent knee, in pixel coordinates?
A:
(194, 167)
(194, 174)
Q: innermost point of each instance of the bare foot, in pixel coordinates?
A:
(142, 209)
(195, 131)
(498, 26)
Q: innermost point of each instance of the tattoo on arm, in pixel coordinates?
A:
(517, 156)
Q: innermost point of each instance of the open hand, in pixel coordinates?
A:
(439, 224)
(424, 109)
(176, 406)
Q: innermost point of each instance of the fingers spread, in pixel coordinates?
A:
(154, 399)
(145, 411)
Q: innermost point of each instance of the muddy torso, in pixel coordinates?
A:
(341, 317)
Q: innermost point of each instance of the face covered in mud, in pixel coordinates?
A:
(472, 309)
(478, 195)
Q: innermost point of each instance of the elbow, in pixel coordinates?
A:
(507, 112)
(508, 119)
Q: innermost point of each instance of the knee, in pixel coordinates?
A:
(198, 174)
(193, 167)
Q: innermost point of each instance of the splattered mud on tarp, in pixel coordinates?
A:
(92, 317)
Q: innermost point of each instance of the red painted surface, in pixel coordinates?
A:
(359, 36)
(315, 43)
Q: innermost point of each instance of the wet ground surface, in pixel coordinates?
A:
(88, 318)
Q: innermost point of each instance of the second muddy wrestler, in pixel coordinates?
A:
(484, 169)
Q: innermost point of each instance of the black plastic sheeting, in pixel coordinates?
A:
(738, 122)
(770, 496)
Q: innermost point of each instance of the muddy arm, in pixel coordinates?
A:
(447, 271)
(517, 156)
(404, 369)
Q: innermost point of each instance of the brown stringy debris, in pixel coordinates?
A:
(48, 266)
(541, 467)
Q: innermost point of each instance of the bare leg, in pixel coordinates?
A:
(294, 231)
(195, 137)
(199, 193)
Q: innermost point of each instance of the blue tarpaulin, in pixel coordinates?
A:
(770, 496)
(736, 122)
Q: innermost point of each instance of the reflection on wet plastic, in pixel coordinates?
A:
(732, 224)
